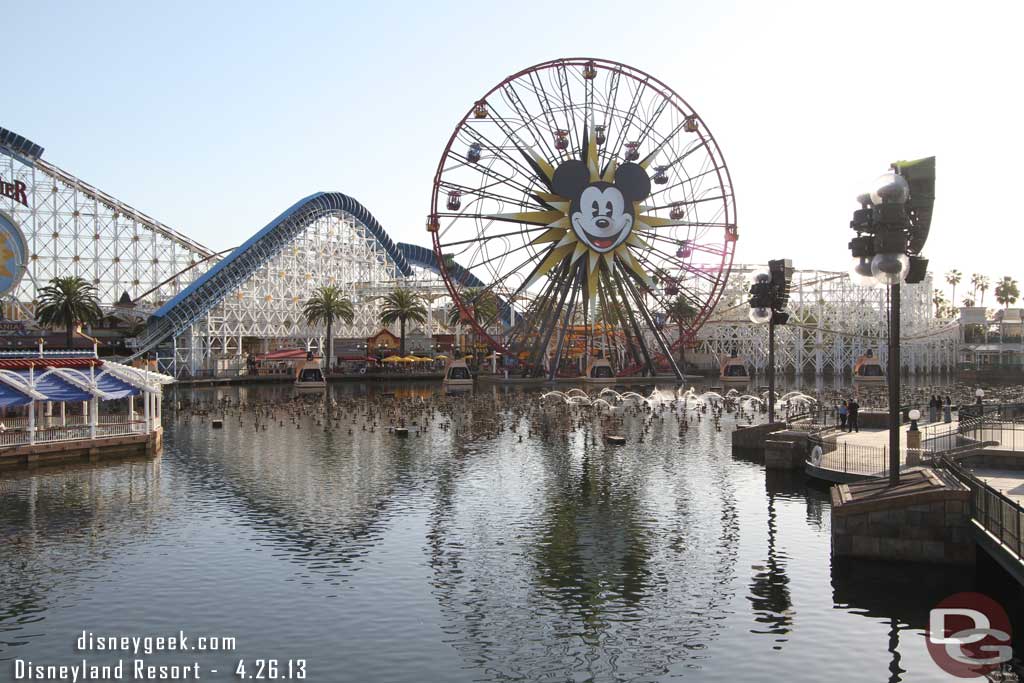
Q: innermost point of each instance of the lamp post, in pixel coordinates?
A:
(892, 226)
(979, 399)
(769, 294)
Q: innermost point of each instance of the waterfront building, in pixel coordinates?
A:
(54, 406)
(991, 343)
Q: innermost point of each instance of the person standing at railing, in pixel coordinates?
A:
(933, 409)
(843, 413)
(947, 411)
(854, 418)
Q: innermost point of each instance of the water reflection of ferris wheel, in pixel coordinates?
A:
(590, 198)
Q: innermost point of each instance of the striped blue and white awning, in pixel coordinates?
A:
(21, 387)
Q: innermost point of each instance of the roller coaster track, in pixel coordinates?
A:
(210, 289)
(125, 210)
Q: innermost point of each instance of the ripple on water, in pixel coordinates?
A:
(500, 540)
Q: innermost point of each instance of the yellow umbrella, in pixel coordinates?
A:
(394, 359)
(410, 359)
(440, 356)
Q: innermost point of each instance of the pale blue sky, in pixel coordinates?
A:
(214, 117)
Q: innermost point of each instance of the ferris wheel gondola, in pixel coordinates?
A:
(595, 205)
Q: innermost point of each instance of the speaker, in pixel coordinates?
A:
(918, 270)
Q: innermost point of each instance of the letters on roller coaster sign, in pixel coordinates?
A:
(15, 191)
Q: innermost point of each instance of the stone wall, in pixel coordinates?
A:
(754, 436)
(785, 450)
(925, 519)
(995, 458)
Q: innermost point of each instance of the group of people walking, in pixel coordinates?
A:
(849, 412)
(937, 404)
(849, 415)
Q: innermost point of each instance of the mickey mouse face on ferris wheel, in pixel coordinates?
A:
(602, 213)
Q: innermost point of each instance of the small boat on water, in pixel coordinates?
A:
(734, 371)
(457, 374)
(309, 375)
(600, 372)
(868, 370)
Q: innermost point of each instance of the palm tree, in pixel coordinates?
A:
(402, 305)
(975, 281)
(968, 302)
(325, 306)
(680, 311)
(953, 278)
(939, 299)
(68, 301)
(1007, 291)
(983, 284)
(483, 306)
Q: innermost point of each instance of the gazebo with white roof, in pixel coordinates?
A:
(41, 384)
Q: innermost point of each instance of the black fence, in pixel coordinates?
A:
(1003, 411)
(847, 458)
(988, 430)
(997, 513)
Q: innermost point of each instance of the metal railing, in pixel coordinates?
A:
(21, 422)
(849, 458)
(49, 434)
(1002, 434)
(1006, 411)
(997, 513)
(48, 353)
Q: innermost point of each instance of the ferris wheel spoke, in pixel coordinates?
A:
(528, 124)
(682, 182)
(565, 89)
(636, 327)
(474, 240)
(530, 315)
(545, 104)
(652, 325)
(559, 291)
(539, 140)
(511, 180)
(695, 182)
(483, 192)
(689, 150)
(702, 200)
(617, 305)
(567, 321)
(674, 241)
(623, 132)
(503, 255)
(649, 125)
(512, 271)
(708, 249)
(529, 172)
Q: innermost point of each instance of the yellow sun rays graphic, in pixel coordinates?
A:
(557, 220)
(5, 256)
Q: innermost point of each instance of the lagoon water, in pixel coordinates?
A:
(461, 553)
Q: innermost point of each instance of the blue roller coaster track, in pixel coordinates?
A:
(192, 303)
(425, 258)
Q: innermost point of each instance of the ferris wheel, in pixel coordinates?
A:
(583, 209)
